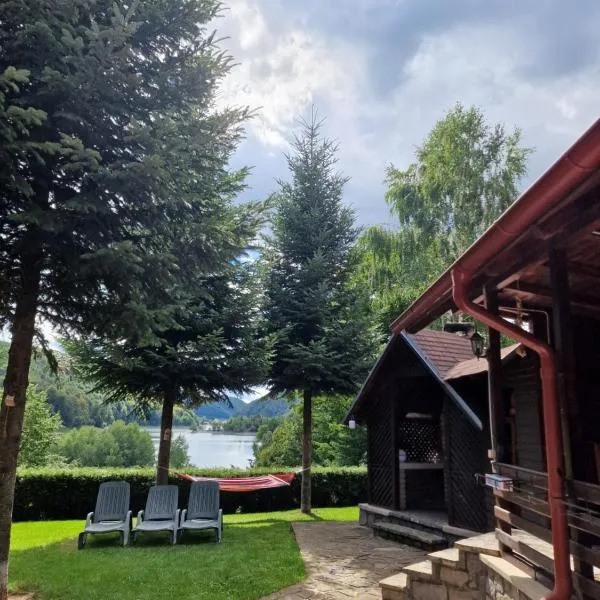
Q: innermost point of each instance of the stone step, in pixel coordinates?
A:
(432, 521)
(394, 587)
(410, 536)
(450, 557)
(526, 585)
(421, 571)
(486, 543)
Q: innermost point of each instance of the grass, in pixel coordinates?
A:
(258, 555)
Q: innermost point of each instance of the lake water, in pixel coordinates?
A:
(213, 449)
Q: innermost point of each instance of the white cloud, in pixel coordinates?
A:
(283, 71)
(291, 58)
(487, 66)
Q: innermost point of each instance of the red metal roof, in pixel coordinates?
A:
(474, 366)
(444, 349)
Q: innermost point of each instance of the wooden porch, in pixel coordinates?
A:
(524, 529)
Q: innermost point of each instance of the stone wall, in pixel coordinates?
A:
(497, 588)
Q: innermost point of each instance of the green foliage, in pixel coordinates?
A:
(333, 443)
(250, 424)
(71, 398)
(180, 457)
(208, 347)
(322, 338)
(43, 494)
(267, 406)
(40, 431)
(96, 161)
(466, 174)
(119, 445)
(186, 356)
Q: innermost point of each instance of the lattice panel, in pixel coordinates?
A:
(420, 439)
(381, 457)
(466, 456)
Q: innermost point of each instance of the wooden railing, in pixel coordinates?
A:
(523, 530)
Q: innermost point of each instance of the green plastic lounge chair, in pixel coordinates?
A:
(112, 512)
(161, 513)
(203, 511)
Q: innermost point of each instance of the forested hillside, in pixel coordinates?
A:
(78, 406)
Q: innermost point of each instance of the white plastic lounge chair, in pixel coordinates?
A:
(161, 513)
(112, 513)
(203, 511)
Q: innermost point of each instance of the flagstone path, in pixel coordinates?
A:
(343, 561)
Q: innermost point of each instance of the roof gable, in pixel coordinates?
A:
(438, 351)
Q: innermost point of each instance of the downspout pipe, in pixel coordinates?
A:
(461, 281)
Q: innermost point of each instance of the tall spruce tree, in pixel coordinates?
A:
(209, 346)
(323, 342)
(109, 139)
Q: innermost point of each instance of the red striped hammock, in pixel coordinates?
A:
(246, 484)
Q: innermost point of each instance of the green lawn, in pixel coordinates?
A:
(258, 555)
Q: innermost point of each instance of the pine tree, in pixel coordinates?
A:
(323, 342)
(109, 141)
(41, 430)
(209, 347)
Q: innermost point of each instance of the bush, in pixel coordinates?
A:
(46, 493)
(40, 431)
(118, 445)
(179, 457)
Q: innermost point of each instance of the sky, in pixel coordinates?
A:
(382, 72)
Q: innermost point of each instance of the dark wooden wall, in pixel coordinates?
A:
(468, 501)
(585, 430)
(380, 455)
(521, 382)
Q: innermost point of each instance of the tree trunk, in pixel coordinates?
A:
(305, 501)
(166, 429)
(12, 410)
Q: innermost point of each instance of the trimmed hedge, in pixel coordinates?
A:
(47, 494)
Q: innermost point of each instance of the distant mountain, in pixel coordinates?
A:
(220, 410)
(265, 406)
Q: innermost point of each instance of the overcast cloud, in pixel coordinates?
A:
(383, 72)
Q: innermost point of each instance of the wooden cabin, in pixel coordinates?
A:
(425, 406)
(415, 462)
(535, 276)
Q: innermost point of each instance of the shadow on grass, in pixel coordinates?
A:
(152, 539)
(305, 519)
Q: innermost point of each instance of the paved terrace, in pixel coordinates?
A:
(345, 560)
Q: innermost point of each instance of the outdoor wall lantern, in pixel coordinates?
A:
(477, 344)
(351, 423)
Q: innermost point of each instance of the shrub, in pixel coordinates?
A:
(71, 493)
(118, 445)
(179, 457)
(40, 431)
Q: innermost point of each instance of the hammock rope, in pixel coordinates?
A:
(245, 484)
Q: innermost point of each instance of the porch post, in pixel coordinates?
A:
(496, 408)
(395, 458)
(562, 329)
(563, 346)
(495, 399)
